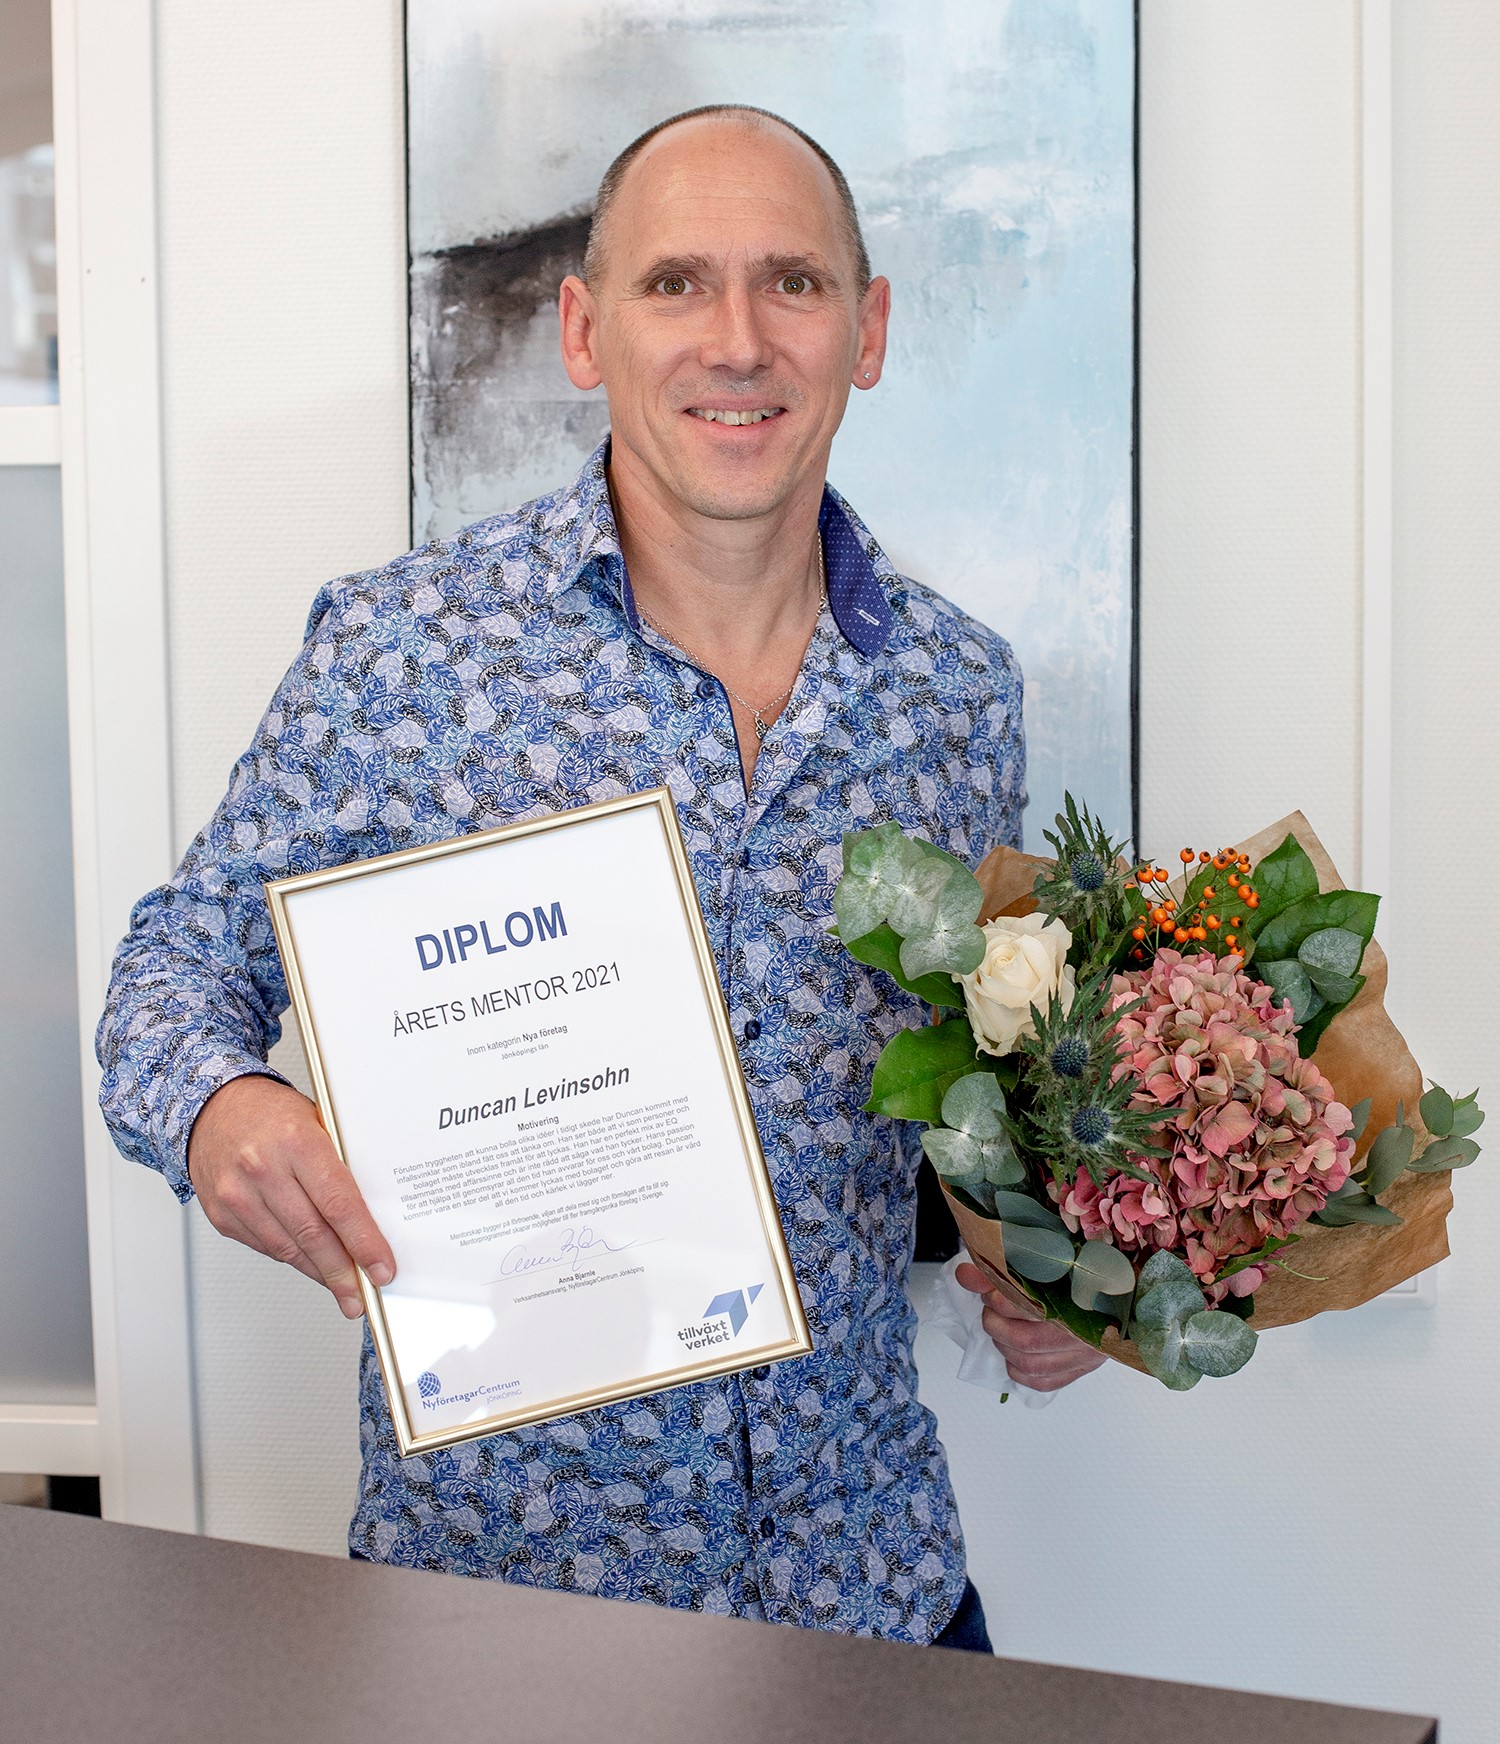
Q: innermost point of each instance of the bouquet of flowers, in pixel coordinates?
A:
(1167, 1108)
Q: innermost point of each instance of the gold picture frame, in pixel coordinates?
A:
(281, 897)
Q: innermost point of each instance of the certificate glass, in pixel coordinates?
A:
(520, 1050)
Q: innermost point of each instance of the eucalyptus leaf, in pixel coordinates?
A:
(952, 944)
(914, 900)
(1282, 936)
(1100, 1270)
(1311, 1033)
(917, 1066)
(1331, 950)
(1165, 1267)
(1023, 1209)
(1284, 877)
(1445, 1153)
(1292, 985)
(1468, 1116)
(1216, 1343)
(955, 1155)
(974, 1104)
(1388, 1158)
(1163, 1351)
(1361, 1116)
(1437, 1111)
(1168, 1303)
(881, 949)
(875, 867)
(1039, 1254)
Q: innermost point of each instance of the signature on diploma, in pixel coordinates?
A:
(576, 1246)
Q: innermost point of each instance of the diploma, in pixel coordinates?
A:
(520, 1050)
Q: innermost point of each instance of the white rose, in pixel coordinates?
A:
(1025, 963)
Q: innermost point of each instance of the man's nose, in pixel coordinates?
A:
(736, 339)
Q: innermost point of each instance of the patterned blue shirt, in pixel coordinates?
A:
(501, 674)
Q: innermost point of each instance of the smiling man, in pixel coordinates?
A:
(697, 610)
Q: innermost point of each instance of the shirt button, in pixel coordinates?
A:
(752, 1030)
(768, 1527)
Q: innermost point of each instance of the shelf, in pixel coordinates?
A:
(30, 436)
(58, 1440)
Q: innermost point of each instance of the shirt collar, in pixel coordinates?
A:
(579, 526)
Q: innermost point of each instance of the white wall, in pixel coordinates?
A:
(1326, 1524)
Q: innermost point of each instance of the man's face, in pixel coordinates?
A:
(727, 293)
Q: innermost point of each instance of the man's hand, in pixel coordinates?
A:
(1038, 1353)
(266, 1174)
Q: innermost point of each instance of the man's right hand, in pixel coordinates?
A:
(267, 1174)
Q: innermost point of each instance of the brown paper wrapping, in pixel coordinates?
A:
(1362, 1054)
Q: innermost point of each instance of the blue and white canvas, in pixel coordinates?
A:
(989, 144)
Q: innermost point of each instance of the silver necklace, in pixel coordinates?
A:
(758, 713)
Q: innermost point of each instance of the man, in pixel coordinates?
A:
(696, 610)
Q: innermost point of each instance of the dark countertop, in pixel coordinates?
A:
(132, 1636)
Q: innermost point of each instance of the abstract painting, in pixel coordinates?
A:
(989, 145)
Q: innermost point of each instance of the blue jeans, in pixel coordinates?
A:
(966, 1627)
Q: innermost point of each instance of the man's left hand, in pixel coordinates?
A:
(1038, 1353)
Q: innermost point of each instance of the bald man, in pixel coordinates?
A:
(697, 609)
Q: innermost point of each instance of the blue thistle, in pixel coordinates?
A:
(1091, 1125)
(1070, 1058)
(1086, 871)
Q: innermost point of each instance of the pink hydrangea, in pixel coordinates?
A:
(1258, 1138)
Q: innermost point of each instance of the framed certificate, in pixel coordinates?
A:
(520, 1050)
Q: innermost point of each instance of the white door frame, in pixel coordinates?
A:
(104, 87)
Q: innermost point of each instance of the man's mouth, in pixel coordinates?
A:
(755, 415)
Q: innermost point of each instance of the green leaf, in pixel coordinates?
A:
(875, 867)
(1286, 876)
(1216, 1343)
(974, 1196)
(1100, 1270)
(1167, 1303)
(1468, 1116)
(1039, 1254)
(1292, 985)
(916, 1068)
(1345, 1208)
(1388, 1157)
(1163, 1350)
(947, 937)
(1353, 909)
(881, 949)
(1023, 1209)
(1437, 1111)
(1361, 1114)
(974, 1104)
(1445, 1153)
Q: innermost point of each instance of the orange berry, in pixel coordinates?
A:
(1209, 894)
(1252, 901)
(1181, 935)
(1214, 921)
(1234, 878)
(1138, 932)
(1186, 856)
(1231, 940)
(1236, 920)
(1203, 858)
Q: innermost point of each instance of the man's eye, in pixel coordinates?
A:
(794, 284)
(673, 285)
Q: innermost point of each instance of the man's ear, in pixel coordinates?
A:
(578, 319)
(874, 317)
